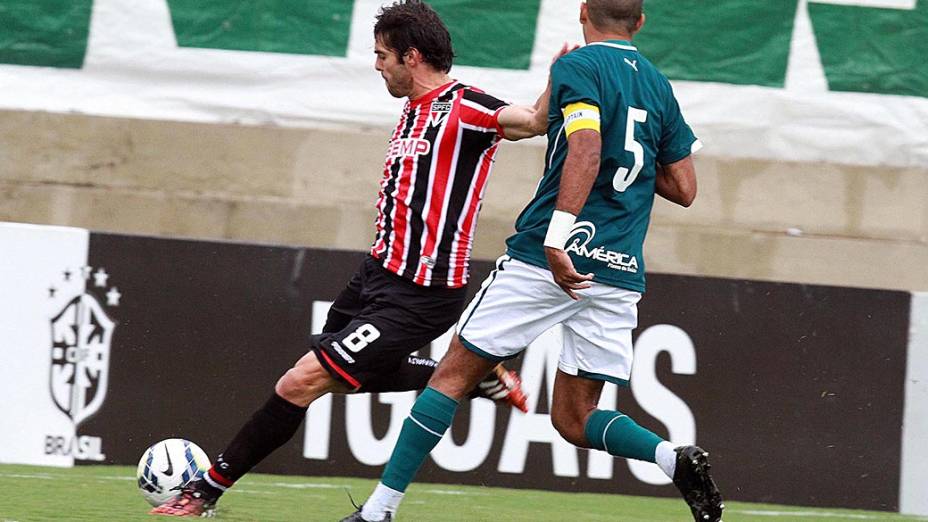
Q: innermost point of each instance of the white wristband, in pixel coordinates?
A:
(559, 229)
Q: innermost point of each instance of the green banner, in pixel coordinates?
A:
(743, 42)
(867, 49)
(486, 35)
(318, 27)
(50, 33)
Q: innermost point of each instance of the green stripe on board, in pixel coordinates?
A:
(49, 33)
(318, 27)
(487, 33)
(743, 42)
(867, 49)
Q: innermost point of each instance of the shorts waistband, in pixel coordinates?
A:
(440, 289)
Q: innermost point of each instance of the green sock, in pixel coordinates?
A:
(427, 422)
(620, 436)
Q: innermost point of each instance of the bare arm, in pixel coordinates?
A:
(676, 182)
(520, 121)
(580, 170)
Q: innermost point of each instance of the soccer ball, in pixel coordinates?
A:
(167, 466)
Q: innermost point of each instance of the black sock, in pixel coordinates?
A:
(268, 429)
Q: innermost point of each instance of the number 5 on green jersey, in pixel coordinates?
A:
(624, 177)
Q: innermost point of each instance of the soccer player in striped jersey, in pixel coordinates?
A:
(411, 288)
(616, 138)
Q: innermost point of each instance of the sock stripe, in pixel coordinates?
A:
(430, 417)
(423, 426)
(216, 480)
(605, 431)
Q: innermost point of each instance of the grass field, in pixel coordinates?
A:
(109, 493)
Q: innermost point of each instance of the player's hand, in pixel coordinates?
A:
(566, 277)
(566, 48)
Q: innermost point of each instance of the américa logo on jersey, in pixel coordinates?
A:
(582, 234)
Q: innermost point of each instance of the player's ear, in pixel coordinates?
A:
(640, 22)
(584, 14)
(412, 57)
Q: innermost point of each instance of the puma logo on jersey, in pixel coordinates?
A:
(633, 63)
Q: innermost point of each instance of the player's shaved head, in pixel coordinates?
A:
(615, 15)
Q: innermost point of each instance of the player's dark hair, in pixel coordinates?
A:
(615, 14)
(413, 24)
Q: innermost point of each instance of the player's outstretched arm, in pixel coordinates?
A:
(676, 181)
(521, 121)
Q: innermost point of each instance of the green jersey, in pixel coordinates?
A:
(640, 123)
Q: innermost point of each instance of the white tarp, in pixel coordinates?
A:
(912, 498)
(134, 68)
(32, 262)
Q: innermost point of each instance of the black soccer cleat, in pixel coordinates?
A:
(696, 485)
(356, 517)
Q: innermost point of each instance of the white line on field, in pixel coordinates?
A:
(27, 476)
(253, 492)
(809, 514)
(451, 492)
(305, 485)
(271, 493)
(45, 476)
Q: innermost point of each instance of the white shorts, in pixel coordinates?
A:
(518, 302)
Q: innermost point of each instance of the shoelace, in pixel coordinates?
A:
(350, 498)
(187, 495)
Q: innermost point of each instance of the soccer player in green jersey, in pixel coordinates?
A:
(616, 138)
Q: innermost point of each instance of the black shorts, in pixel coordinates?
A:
(378, 320)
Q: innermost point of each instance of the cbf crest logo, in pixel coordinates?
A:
(82, 334)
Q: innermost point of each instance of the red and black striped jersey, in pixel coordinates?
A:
(435, 173)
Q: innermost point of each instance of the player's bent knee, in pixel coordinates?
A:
(571, 431)
(571, 425)
(305, 382)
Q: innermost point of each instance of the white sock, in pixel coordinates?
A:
(382, 501)
(666, 458)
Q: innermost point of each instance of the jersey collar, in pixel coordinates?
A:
(617, 44)
(435, 93)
